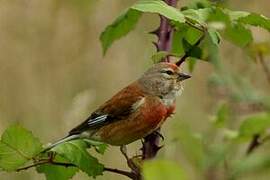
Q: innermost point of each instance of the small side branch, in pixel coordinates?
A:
(255, 142)
(181, 60)
(124, 173)
(49, 161)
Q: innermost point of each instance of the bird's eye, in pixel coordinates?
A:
(169, 72)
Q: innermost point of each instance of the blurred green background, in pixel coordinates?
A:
(53, 75)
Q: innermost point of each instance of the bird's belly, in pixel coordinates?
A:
(136, 127)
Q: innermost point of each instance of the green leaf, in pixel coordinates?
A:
(159, 7)
(159, 56)
(199, 15)
(250, 164)
(214, 36)
(162, 169)
(222, 115)
(254, 124)
(178, 36)
(249, 18)
(53, 172)
(195, 52)
(256, 20)
(119, 28)
(191, 63)
(101, 148)
(198, 4)
(238, 34)
(192, 35)
(17, 146)
(76, 152)
(191, 144)
(128, 20)
(236, 15)
(215, 154)
(212, 52)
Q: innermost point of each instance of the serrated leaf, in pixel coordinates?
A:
(76, 152)
(162, 169)
(254, 124)
(119, 28)
(55, 172)
(159, 7)
(17, 146)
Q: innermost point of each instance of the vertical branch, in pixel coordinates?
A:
(164, 34)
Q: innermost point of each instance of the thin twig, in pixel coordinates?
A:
(181, 60)
(32, 165)
(48, 161)
(255, 143)
(117, 171)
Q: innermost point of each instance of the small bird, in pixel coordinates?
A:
(134, 112)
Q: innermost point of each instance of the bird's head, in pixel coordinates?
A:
(164, 80)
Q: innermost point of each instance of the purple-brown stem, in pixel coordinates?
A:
(164, 34)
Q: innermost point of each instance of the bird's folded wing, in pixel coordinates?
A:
(117, 108)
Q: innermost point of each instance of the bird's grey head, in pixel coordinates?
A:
(163, 80)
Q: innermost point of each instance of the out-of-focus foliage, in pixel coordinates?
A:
(161, 169)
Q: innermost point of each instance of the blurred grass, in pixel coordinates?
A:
(53, 74)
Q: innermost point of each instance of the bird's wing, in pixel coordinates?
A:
(117, 108)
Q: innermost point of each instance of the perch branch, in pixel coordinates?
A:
(164, 33)
(49, 161)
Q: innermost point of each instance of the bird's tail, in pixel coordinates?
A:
(65, 139)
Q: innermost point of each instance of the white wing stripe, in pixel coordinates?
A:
(97, 119)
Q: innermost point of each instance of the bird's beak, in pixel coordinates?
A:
(183, 76)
